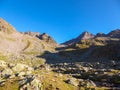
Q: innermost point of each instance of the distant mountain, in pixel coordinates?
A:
(15, 42)
(84, 47)
(89, 47)
(84, 36)
(114, 34)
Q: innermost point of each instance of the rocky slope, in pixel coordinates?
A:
(6, 27)
(87, 48)
(20, 66)
(79, 64)
(16, 42)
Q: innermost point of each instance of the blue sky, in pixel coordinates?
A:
(62, 19)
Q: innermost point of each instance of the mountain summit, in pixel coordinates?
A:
(45, 37)
(84, 36)
(114, 34)
(6, 27)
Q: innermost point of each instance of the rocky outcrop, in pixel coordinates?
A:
(45, 37)
(30, 83)
(33, 34)
(72, 81)
(85, 36)
(19, 67)
(3, 64)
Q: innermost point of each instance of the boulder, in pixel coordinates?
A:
(6, 72)
(12, 76)
(3, 64)
(32, 83)
(21, 74)
(72, 81)
(36, 84)
(19, 67)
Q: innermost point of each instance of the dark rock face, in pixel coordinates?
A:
(114, 34)
(100, 35)
(47, 38)
(33, 34)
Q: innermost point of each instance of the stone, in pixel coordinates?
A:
(11, 65)
(30, 69)
(36, 84)
(92, 83)
(12, 76)
(21, 74)
(19, 67)
(72, 81)
(3, 64)
(86, 69)
(31, 82)
(28, 72)
(7, 72)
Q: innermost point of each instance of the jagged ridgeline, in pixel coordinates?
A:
(25, 42)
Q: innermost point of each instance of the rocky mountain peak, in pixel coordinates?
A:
(114, 33)
(6, 27)
(85, 35)
(45, 37)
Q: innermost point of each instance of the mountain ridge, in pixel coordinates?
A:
(30, 60)
(87, 36)
(13, 41)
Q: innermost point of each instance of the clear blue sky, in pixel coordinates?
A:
(62, 19)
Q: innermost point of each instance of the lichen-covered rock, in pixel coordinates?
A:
(19, 67)
(21, 73)
(72, 81)
(6, 73)
(3, 63)
(30, 83)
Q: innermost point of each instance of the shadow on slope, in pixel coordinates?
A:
(62, 56)
(91, 54)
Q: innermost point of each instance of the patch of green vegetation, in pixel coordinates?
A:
(30, 53)
(30, 62)
(52, 82)
(3, 57)
(10, 85)
(82, 46)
